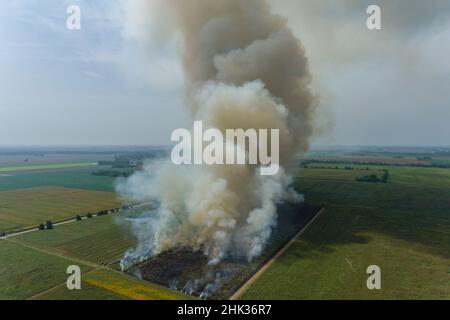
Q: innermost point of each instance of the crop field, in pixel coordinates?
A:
(79, 178)
(402, 226)
(25, 272)
(41, 157)
(47, 166)
(22, 208)
(36, 263)
(99, 240)
(112, 285)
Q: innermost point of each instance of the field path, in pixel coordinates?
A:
(255, 277)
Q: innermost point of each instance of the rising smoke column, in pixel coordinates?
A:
(244, 68)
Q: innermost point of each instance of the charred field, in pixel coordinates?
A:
(189, 271)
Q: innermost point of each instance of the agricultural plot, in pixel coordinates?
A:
(191, 272)
(46, 166)
(112, 285)
(24, 271)
(402, 226)
(100, 240)
(28, 207)
(79, 178)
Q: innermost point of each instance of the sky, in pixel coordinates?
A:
(118, 80)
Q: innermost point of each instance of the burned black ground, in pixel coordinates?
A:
(187, 270)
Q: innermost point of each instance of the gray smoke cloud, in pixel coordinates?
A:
(244, 68)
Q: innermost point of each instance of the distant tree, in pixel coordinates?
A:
(2, 234)
(41, 226)
(385, 176)
(89, 215)
(78, 217)
(49, 225)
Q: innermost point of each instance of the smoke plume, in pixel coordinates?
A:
(244, 69)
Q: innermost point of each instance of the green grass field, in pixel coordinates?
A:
(99, 240)
(402, 226)
(47, 166)
(23, 208)
(79, 178)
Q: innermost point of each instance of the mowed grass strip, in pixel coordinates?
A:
(23, 208)
(25, 272)
(99, 240)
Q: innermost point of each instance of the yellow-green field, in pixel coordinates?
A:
(98, 240)
(107, 284)
(23, 208)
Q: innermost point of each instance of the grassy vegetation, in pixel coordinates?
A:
(99, 240)
(80, 178)
(25, 272)
(130, 287)
(111, 285)
(47, 166)
(402, 226)
(28, 207)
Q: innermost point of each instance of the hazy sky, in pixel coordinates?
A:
(118, 80)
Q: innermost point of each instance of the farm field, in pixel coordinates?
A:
(79, 178)
(112, 285)
(98, 240)
(47, 166)
(23, 208)
(402, 226)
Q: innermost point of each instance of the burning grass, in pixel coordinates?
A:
(189, 271)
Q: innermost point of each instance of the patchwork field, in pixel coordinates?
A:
(402, 226)
(23, 208)
(112, 285)
(36, 263)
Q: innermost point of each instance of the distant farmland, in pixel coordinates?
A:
(23, 208)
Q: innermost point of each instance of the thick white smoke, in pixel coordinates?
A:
(244, 69)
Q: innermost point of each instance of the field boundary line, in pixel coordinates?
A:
(57, 286)
(269, 263)
(55, 253)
